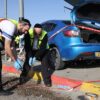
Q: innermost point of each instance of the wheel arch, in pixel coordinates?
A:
(52, 45)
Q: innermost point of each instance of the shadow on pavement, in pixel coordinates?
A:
(83, 64)
(11, 84)
(82, 97)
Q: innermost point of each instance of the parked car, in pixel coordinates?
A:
(78, 39)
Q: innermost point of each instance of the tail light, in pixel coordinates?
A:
(71, 33)
(88, 53)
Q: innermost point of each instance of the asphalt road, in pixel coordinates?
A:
(29, 91)
(85, 71)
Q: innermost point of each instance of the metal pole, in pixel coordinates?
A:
(5, 16)
(5, 8)
(21, 9)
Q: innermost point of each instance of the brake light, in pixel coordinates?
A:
(88, 53)
(71, 33)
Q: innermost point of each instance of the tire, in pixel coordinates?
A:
(93, 41)
(55, 59)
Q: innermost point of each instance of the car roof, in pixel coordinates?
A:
(56, 21)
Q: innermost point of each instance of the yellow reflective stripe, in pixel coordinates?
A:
(0, 37)
(31, 33)
(17, 39)
(13, 21)
(41, 38)
(1, 19)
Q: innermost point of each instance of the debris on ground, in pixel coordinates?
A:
(31, 89)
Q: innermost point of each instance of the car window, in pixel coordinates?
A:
(67, 22)
(49, 26)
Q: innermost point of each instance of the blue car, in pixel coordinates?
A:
(78, 39)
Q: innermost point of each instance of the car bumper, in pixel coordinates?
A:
(81, 51)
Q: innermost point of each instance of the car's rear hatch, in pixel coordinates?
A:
(86, 13)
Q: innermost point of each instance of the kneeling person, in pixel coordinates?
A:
(36, 47)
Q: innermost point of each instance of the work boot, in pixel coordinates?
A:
(4, 92)
(48, 84)
(23, 80)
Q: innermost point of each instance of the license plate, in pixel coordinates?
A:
(97, 54)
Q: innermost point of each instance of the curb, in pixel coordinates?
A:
(56, 80)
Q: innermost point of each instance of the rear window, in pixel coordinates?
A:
(67, 22)
(49, 26)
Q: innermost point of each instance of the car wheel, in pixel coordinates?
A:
(93, 41)
(56, 59)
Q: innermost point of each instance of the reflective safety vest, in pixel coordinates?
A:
(15, 23)
(17, 39)
(31, 33)
(12, 20)
(1, 19)
(1, 39)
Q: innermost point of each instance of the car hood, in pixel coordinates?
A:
(85, 11)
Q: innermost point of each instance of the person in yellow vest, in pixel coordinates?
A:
(36, 47)
(8, 29)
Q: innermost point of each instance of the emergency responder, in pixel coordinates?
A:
(8, 29)
(35, 50)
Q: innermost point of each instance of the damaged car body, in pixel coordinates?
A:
(78, 39)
